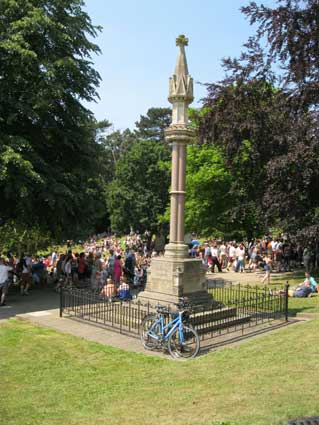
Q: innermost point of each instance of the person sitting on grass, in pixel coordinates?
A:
(303, 290)
(124, 290)
(313, 283)
(109, 291)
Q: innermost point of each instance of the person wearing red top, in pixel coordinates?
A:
(117, 272)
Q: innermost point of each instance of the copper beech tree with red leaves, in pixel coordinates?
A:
(264, 115)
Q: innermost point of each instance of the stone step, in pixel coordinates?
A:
(136, 315)
(201, 318)
(223, 325)
(218, 282)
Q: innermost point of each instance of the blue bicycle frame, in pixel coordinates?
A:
(163, 335)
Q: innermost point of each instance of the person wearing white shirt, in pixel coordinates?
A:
(240, 253)
(26, 275)
(4, 280)
(231, 255)
(214, 253)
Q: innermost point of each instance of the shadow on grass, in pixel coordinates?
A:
(213, 344)
(303, 305)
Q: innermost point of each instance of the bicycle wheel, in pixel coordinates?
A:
(148, 342)
(186, 349)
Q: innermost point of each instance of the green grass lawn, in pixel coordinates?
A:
(51, 378)
(303, 305)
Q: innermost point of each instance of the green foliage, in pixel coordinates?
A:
(115, 145)
(208, 184)
(16, 239)
(50, 174)
(152, 126)
(138, 195)
(246, 119)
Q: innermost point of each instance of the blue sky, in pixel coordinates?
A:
(139, 52)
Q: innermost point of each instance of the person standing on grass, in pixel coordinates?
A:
(38, 271)
(240, 254)
(223, 255)
(117, 272)
(307, 259)
(81, 266)
(111, 262)
(215, 262)
(231, 255)
(26, 274)
(4, 280)
(267, 268)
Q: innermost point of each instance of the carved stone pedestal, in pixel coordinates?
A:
(170, 278)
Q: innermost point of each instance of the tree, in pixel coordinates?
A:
(272, 117)
(50, 175)
(246, 121)
(139, 194)
(208, 199)
(291, 32)
(115, 145)
(152, 126)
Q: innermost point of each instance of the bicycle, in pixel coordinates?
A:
(181, 338)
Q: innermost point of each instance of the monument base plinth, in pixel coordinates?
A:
(172, 277)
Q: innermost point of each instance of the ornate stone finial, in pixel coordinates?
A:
(181, 85)
(181, 40)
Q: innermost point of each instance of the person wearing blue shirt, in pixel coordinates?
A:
(313, 283)
(304, 289)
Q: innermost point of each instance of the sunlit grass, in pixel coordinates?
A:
(51, 378)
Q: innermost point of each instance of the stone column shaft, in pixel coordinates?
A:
(174, 189)
(181, 195)
(178, 193)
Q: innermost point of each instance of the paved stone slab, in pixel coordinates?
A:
(87, 331)
(40, 313)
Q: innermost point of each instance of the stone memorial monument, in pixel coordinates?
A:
(175, 274)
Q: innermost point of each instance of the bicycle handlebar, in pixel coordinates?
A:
(183, 303)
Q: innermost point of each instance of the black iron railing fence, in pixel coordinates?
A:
(88, 305)
(235, 309)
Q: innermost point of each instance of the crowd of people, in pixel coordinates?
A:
(114, 266)
(280, 254)
(111, 266)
